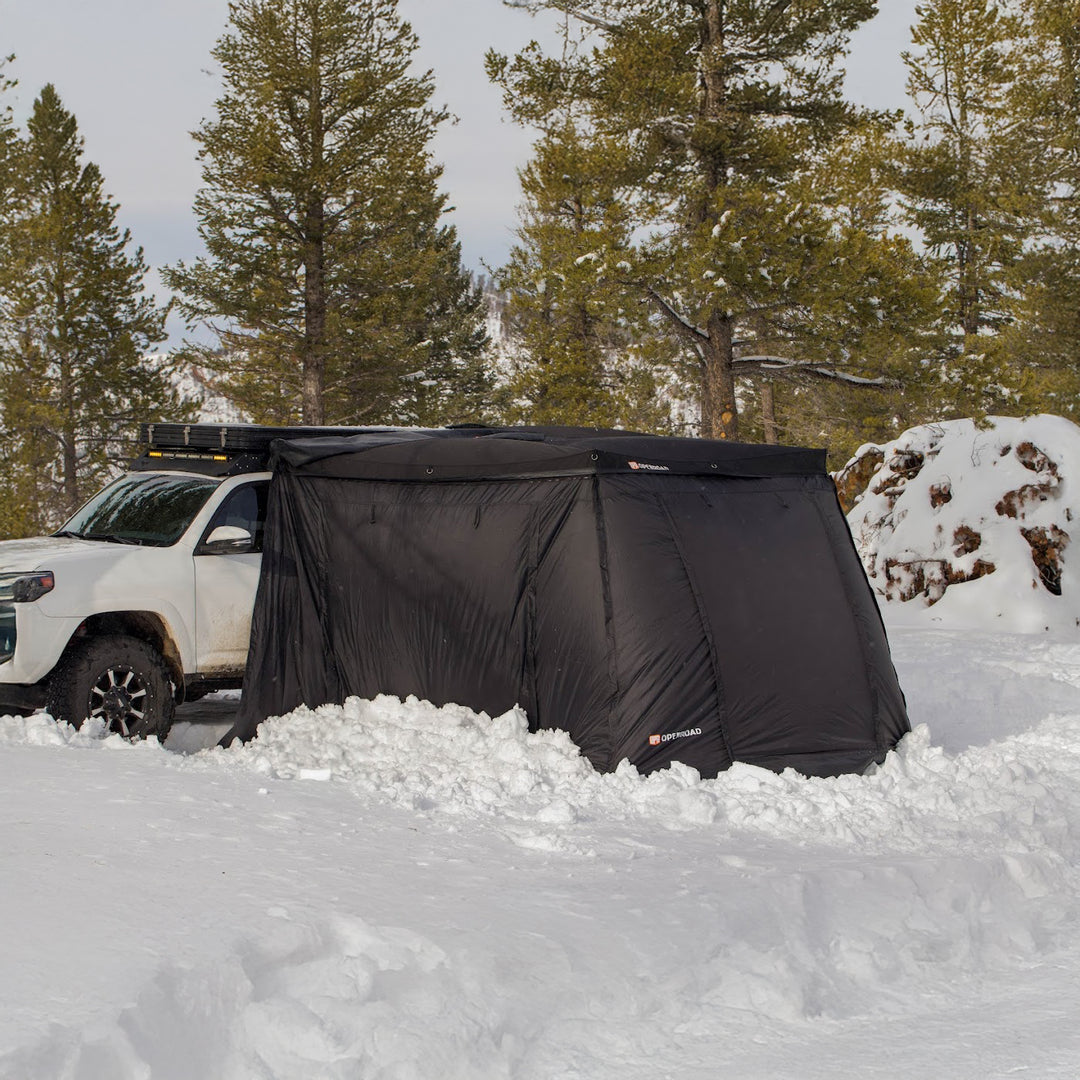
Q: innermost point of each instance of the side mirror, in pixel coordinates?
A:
(227, 539)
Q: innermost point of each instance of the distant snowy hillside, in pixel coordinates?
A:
(972, 525)
(197, 384)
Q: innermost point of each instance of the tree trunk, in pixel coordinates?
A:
(314, 356)
(67, 438)
(719, 415)
(969, 279)
(66, 380)
(768, 411)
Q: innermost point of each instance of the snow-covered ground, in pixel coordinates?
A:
(397, 892)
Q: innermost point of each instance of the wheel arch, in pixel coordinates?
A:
(147, 626)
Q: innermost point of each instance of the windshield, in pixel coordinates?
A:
(142, 508)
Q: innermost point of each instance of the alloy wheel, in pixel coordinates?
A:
(118, 697)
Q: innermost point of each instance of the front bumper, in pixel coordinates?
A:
(21, 699)
(39, 642)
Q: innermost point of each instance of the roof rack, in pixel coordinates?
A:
(221, 449)
(234, 437)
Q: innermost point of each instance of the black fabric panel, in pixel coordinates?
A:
(787, 644)
(429, 594)
(890, 708)
(434, 459)
(655, 617)
(468, 593)
(666, 678)
(287, 658)
(570, 647)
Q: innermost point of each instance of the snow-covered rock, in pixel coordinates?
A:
(971, 525)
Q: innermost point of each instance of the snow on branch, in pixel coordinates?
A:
(695, 333)
(673, 129)
(807, 367)
(567, 8)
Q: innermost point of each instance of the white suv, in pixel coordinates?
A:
(144, 597)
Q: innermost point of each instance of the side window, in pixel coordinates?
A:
(244, 507)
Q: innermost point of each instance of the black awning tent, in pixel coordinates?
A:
(660, 599)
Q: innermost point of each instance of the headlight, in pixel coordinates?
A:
(26, 588)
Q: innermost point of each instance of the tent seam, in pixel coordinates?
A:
(706, 629)
(865, 647)
(609, 616)
(531, 611)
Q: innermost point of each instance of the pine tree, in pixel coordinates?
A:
(75, 330)
(878, 302)
(971, 184)
(8, 144)
(14, 507)
(328, 277)
(412, 331)
(579, 355)
(726, 110)
(1043, 341)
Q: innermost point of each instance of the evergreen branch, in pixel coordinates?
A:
(280, 214)
(776, 9)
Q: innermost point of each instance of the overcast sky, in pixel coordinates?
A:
(135, 74)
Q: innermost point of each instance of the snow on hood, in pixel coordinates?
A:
(35, 552)
(966, 525)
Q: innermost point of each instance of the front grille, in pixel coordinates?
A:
(6, 582)
(7, 617)
(7, 630)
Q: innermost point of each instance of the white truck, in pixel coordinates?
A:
(143, 598)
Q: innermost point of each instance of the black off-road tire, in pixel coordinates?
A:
(119, 679)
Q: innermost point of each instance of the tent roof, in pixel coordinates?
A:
(477, 453)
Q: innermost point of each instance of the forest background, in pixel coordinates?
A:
(712, 239)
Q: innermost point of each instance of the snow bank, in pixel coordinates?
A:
(969, 526)
(450, 763)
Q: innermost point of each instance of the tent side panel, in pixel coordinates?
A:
(669, 704)
(574, 686)
(286, 660)
(890, 707)
(482, 594)
(794, 663)
(429, 592)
